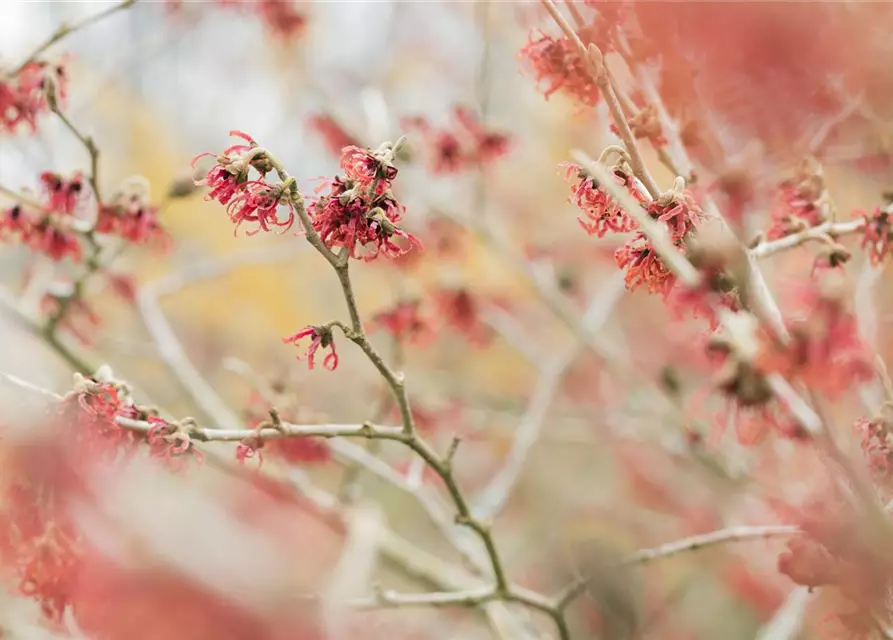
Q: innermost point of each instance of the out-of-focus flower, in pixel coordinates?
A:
(28, 93)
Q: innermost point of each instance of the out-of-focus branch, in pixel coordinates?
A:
(496, 493)
(820, 232)
(596, 65)
(65, 30)
(693, 543)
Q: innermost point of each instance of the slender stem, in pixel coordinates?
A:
(819, 232)
(596, 66)
(65, 30)
(693, 543)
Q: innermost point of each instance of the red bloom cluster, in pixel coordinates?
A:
(319, 337)
(253, 201)
(799, 203)
(876, 438)
(25, 96)
(467, 147)
(557, 66)
(405, 322)
(601, 215)
(48, 229)
(877, 236)
(459, 308)
(281, 17)
(131, 216)
(825, 350)
(359, 212)
(41, 551)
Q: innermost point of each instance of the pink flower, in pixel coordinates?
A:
(877, 236)
(557, 66)
(405, 322)
(370, 171)
(258, 202)
(253, 201)
(53, 241)
(602, 214)
(319, 337)
(132, 217)
(467, 147)
(348, 219)
(643, 266)
(459, 309)
(62, 194)
(24, 97)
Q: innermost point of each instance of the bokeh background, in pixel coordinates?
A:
(611, 469)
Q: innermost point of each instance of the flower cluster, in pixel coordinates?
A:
(825, 350)
(49, 226)
(877, 236)
(459, 308)
(27, 94)
(468, 146)
(876, 439)
(255, 202)
(281, 17)
(359, 213)
(319, 337)
(601, 215)
(801, 203)
(557, 66)
(406, 322)
(131, 216)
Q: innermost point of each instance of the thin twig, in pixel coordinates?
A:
(819, 232)
(65, 30)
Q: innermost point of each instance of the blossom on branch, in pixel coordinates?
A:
(254, 201)
(27, 94)
(601, 214)
(877, 236)
(319, 337)
(359, 212)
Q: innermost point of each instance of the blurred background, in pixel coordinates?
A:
(606, 463)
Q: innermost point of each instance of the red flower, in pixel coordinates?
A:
(230, 172)
(348, 219)
(643, 266)
(62, 194)
(458, 308)
(53, 241)
(372, 172)
(24, 97)
(825, 350)
(319, 337)
(258, 202)
(131, 216)
(282, 17)
(602, 214)
(557, 66)
(808, 563)
(878, 235)
(404, 322)
(798, 206)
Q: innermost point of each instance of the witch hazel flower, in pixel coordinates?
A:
(600, 214)
(468, 146)
(253, 201)
(557, 66)
(29, 93)
(802, 202)
(359, 213)
(405, 322)
(825, 350)
(131, 215)
(62, 194)
(320, 337)
(877, 234)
